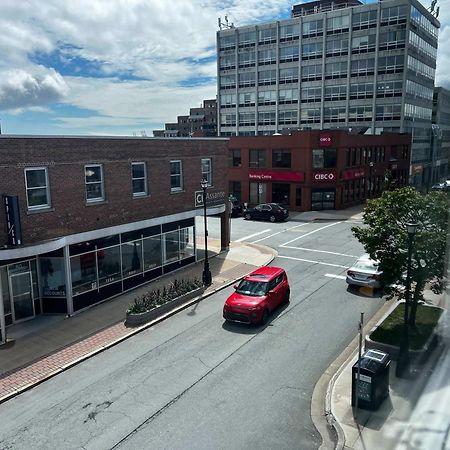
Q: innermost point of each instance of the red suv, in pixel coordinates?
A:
(257, 295)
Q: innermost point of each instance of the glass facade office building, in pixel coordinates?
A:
(333, 65)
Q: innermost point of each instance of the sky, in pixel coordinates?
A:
(123, 67)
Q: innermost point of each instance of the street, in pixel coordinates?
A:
(193, 381)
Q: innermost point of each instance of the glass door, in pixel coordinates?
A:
(22, 296)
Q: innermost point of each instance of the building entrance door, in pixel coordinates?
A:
(21, 296)
(322, 200)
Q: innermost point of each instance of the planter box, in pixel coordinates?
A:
(134, 320)
(417, 357)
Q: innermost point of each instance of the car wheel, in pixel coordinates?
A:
(247, 216)
(287, 296)
(265, 317)
(272, 218)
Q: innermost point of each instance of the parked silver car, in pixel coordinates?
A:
(364, 272)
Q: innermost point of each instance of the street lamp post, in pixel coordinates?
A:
(403, 361)
(207, 278)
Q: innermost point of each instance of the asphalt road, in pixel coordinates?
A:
(193, 382)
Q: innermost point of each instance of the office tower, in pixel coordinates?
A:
(342, 64)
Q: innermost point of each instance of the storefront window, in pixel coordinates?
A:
(5, 290)
(108, 265)
(152, 252)
(257, 193)
(84, 272)
(171, 242)
(53, 276)
(132, 258)
(186, 243)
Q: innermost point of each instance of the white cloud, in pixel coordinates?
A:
(20, 89)
(443, 57)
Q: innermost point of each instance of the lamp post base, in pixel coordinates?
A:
(207, 277)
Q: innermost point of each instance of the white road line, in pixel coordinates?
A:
(253, 235)
(332, 275)
(318, 251)
(314, 262)
(311, 232)
(279, 232)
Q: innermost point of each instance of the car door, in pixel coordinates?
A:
(258, 212)
(265, 211)
(272, 295)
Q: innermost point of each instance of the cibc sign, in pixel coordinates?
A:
(325, 140)
(328, 176)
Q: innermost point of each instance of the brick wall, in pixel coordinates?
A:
(65, 159)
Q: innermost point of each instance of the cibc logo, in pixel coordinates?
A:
(324, 176)
(325, 140)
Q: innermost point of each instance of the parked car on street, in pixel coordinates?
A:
(364, 272)
(266, 211)
(444, 186)
(257, 296)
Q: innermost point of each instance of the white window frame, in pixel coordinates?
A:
(207, 175)
(145, 192)
(178, 174)
(46, 187)
(101, 182)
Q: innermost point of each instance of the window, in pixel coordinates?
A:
(94, 183)
(313, 28)
(311, 50)
(247, 79)
(288, 54)
(288, 117)
(207, 170)
(324, 158)
(257, 158)
(246, 119)
(287, 96)
(36, 183)
(176, 176)
(267, 97)
(139, 178)
(267, 56)
(235, 158)
(267, 77)
(336, 92)
(247, 99)
(281, 158)
(266, 117)
(288, 75)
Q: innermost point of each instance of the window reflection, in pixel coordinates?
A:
(171, 242)
(152, 252)
(131, 258)
(108, 265)
(84, 272)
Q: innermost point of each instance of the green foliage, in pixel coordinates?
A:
(152, 299)
(385, 238)
(391, 330)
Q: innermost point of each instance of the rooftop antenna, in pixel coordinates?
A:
(433, 4)
(437, 12)
(225, 25)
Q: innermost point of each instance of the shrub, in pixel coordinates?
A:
(151, 299)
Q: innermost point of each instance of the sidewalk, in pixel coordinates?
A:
(41, 348)
(402, 410)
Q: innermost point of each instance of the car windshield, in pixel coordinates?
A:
(365, 264)
(252, 288)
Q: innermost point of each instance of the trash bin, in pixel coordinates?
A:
(373, 386)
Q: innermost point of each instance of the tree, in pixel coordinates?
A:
(385, 239)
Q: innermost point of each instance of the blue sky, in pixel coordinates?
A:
(122, 67)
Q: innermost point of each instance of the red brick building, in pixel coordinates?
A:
(84, 219)
(316, 170)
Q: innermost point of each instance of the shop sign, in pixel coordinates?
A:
(22, 267)
(49, 292)
(13, 219)
(323, 176)
(213, 198)
(325, 140)
(351, 174)
(272, 175)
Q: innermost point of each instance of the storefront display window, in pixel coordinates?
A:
(84, 272)
(5, 290)
(108, 265)
(257, 193)
(52, 276)
(152, 252)
(171, 243)
(187, 243)
(132, 258)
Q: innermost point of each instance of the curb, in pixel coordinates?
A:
(123, 338)
(330, 377)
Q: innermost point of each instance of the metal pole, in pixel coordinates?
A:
(207, 279)
(360, 328)
(2, 319)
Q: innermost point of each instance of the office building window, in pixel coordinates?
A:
(281, 158)
(267, 98)
(176, 176)
(36, 183)
(139, 179)
(247, 79)
(288, 75)
(94, 183)
(207, 170)
(335, 92)
(235, 159)
(324, 158)
(257, 158)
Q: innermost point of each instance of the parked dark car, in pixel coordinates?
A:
(445, 186)
(236, 207)
(266, 211)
